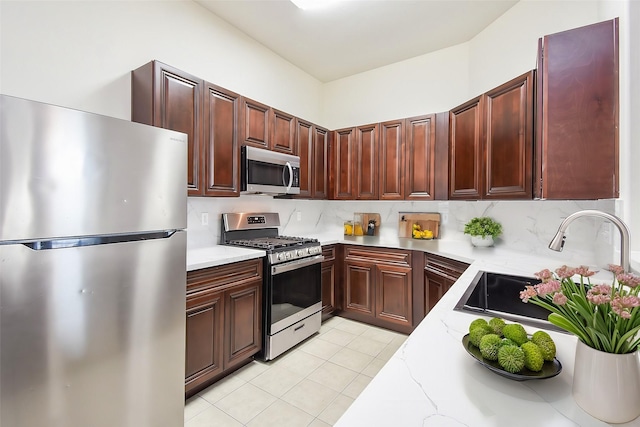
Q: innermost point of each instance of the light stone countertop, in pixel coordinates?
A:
(219, 255)
(431, 380)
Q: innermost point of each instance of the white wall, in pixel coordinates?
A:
(79, 54)
(425, 84)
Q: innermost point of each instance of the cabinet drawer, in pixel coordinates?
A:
(378, 255)
(329, 253)
(224, 275)
(444, 266)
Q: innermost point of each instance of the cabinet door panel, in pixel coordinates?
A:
(243, 316)
(305, 149)
(343, 161)
(435, 287)
(366, 166)
(166, 97)
(204, 337)
(320, 158)
(328, 287)
(256, 123)
(221, 109)
(509, 140)
(394, 301)
(283, 131)
(392, 160)
(420, 158)
(359, 288)
(466, 136)
(578, 113)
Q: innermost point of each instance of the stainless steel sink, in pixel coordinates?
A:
(498, 295)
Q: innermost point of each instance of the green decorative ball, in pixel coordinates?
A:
(477, 333)
(546, 344)
(476, 323)
(497, 324)
(533, 359)
(511, 358)
(489, 346)
(516, 333)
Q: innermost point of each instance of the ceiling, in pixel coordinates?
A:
(357, 35)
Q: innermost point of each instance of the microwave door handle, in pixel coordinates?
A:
(288, 165)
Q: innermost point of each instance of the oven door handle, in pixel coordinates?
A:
(294, 265)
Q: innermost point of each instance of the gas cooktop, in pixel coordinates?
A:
(273, 243)
(260, 231)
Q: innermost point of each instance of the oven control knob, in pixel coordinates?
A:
(300, 252)
(288, 255)
(280, 256)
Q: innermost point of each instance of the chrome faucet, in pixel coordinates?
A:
(557, 243)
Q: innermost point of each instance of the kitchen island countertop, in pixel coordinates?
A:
(432, 381)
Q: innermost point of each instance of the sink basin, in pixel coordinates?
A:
(498, 295)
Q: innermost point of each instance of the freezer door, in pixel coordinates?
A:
(69, 173)
(93, 336)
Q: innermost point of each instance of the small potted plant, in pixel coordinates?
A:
(482, 230)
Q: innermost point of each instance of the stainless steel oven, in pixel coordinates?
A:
(292, 301)
(293, 305)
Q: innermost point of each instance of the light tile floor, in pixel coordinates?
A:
(310, 385)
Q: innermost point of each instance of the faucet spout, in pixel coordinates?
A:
(557, 243)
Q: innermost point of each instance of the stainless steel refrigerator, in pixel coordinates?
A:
(92, 269)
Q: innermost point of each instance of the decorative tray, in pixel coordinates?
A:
(549, 369)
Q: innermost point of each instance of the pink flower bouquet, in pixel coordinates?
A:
(604, 317)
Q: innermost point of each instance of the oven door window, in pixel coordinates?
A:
(292, 293)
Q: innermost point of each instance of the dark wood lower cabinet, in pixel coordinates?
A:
(439, 275)
(243, 308)
(204, 345)
(393, 294)
(378, 287)
(223, 324)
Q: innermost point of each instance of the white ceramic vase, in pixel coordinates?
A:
(606, 385)
(482, 241)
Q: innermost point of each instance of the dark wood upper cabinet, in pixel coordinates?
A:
(577, 113)
(341, 180)
(419, 182)
(491, 143)
(392, 155)
(255, 119)
(166, 97)
(366, 162)
(312, 145)
(508, 150)
(320, 161)
(221, 118)
(304, 148)
(465, 148)
(283, 132)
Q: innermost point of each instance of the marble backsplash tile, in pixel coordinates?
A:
(528, 225)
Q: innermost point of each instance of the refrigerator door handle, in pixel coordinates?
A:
(75, 242)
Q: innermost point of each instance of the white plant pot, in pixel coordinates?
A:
(482, 242)
(606, 385)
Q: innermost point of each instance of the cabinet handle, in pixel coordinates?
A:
(298, 328)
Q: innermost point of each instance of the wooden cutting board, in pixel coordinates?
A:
(427, 221)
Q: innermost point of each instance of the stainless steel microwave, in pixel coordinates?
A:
(269, 172)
